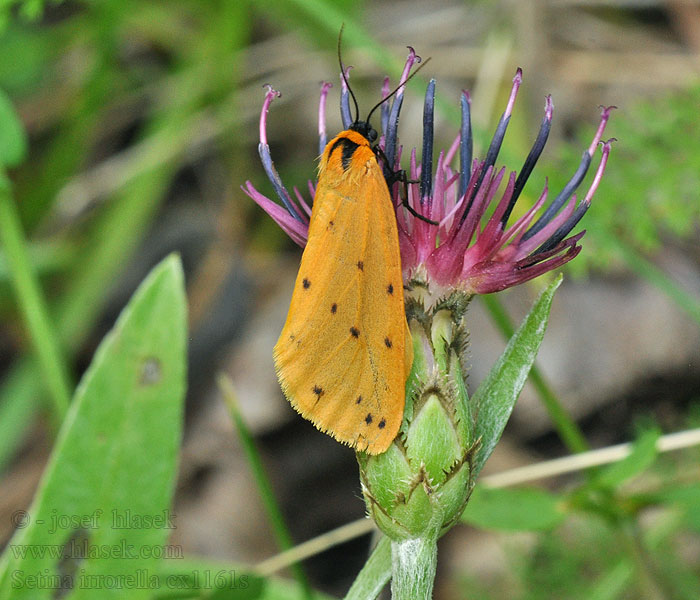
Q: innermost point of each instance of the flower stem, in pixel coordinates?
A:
(413, 565)
(414, 561)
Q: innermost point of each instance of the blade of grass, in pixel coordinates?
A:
(19, 391)
(116, 233)
(112, 241)
(46, 258)
(612, 584)
(274, 514)
(565, 426)
(32, 305)
(67, 149)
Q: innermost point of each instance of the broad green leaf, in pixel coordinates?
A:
(523, 509)
(374, 575)
(496, 396)
(643, 454)
(101, 513)
(13, 139)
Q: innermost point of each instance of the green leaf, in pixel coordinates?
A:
(374, 575)
(101, 512)
(523, 509)
(13, 139)
(496, 396)
(643, 454)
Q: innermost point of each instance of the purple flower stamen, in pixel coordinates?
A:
(532, 158)
(500, 133)
(427, 156)
(466, 144)
(345, 114)
(466, 250)
(322, 137)
(385, 106)
(573, 220)
(576, 180)
(268, 165)
(391, 132)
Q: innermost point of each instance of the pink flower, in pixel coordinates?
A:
(466, 249)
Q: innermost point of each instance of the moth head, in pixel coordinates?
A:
(365, 129)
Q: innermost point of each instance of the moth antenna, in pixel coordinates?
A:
(345, 79)
(397, 88)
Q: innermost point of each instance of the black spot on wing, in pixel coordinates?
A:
(318, 390)
(382, 424)
(390, 288)
(360, 265)
(387, 342)
(306, 283)
(359, 400)
(334, 308)
(368, 418)
(355, 332)
(348, 149)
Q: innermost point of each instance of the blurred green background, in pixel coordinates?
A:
(127, 129)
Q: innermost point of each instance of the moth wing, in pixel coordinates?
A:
(344, 353)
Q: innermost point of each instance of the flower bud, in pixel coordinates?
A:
(427, 469)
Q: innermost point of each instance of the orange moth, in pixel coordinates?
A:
(345, 351)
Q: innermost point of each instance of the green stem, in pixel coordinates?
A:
(566, 427)
(414, 562)
(274, 514)
(31, 303)
(413, 568)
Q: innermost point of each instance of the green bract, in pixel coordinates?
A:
(427, 469)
